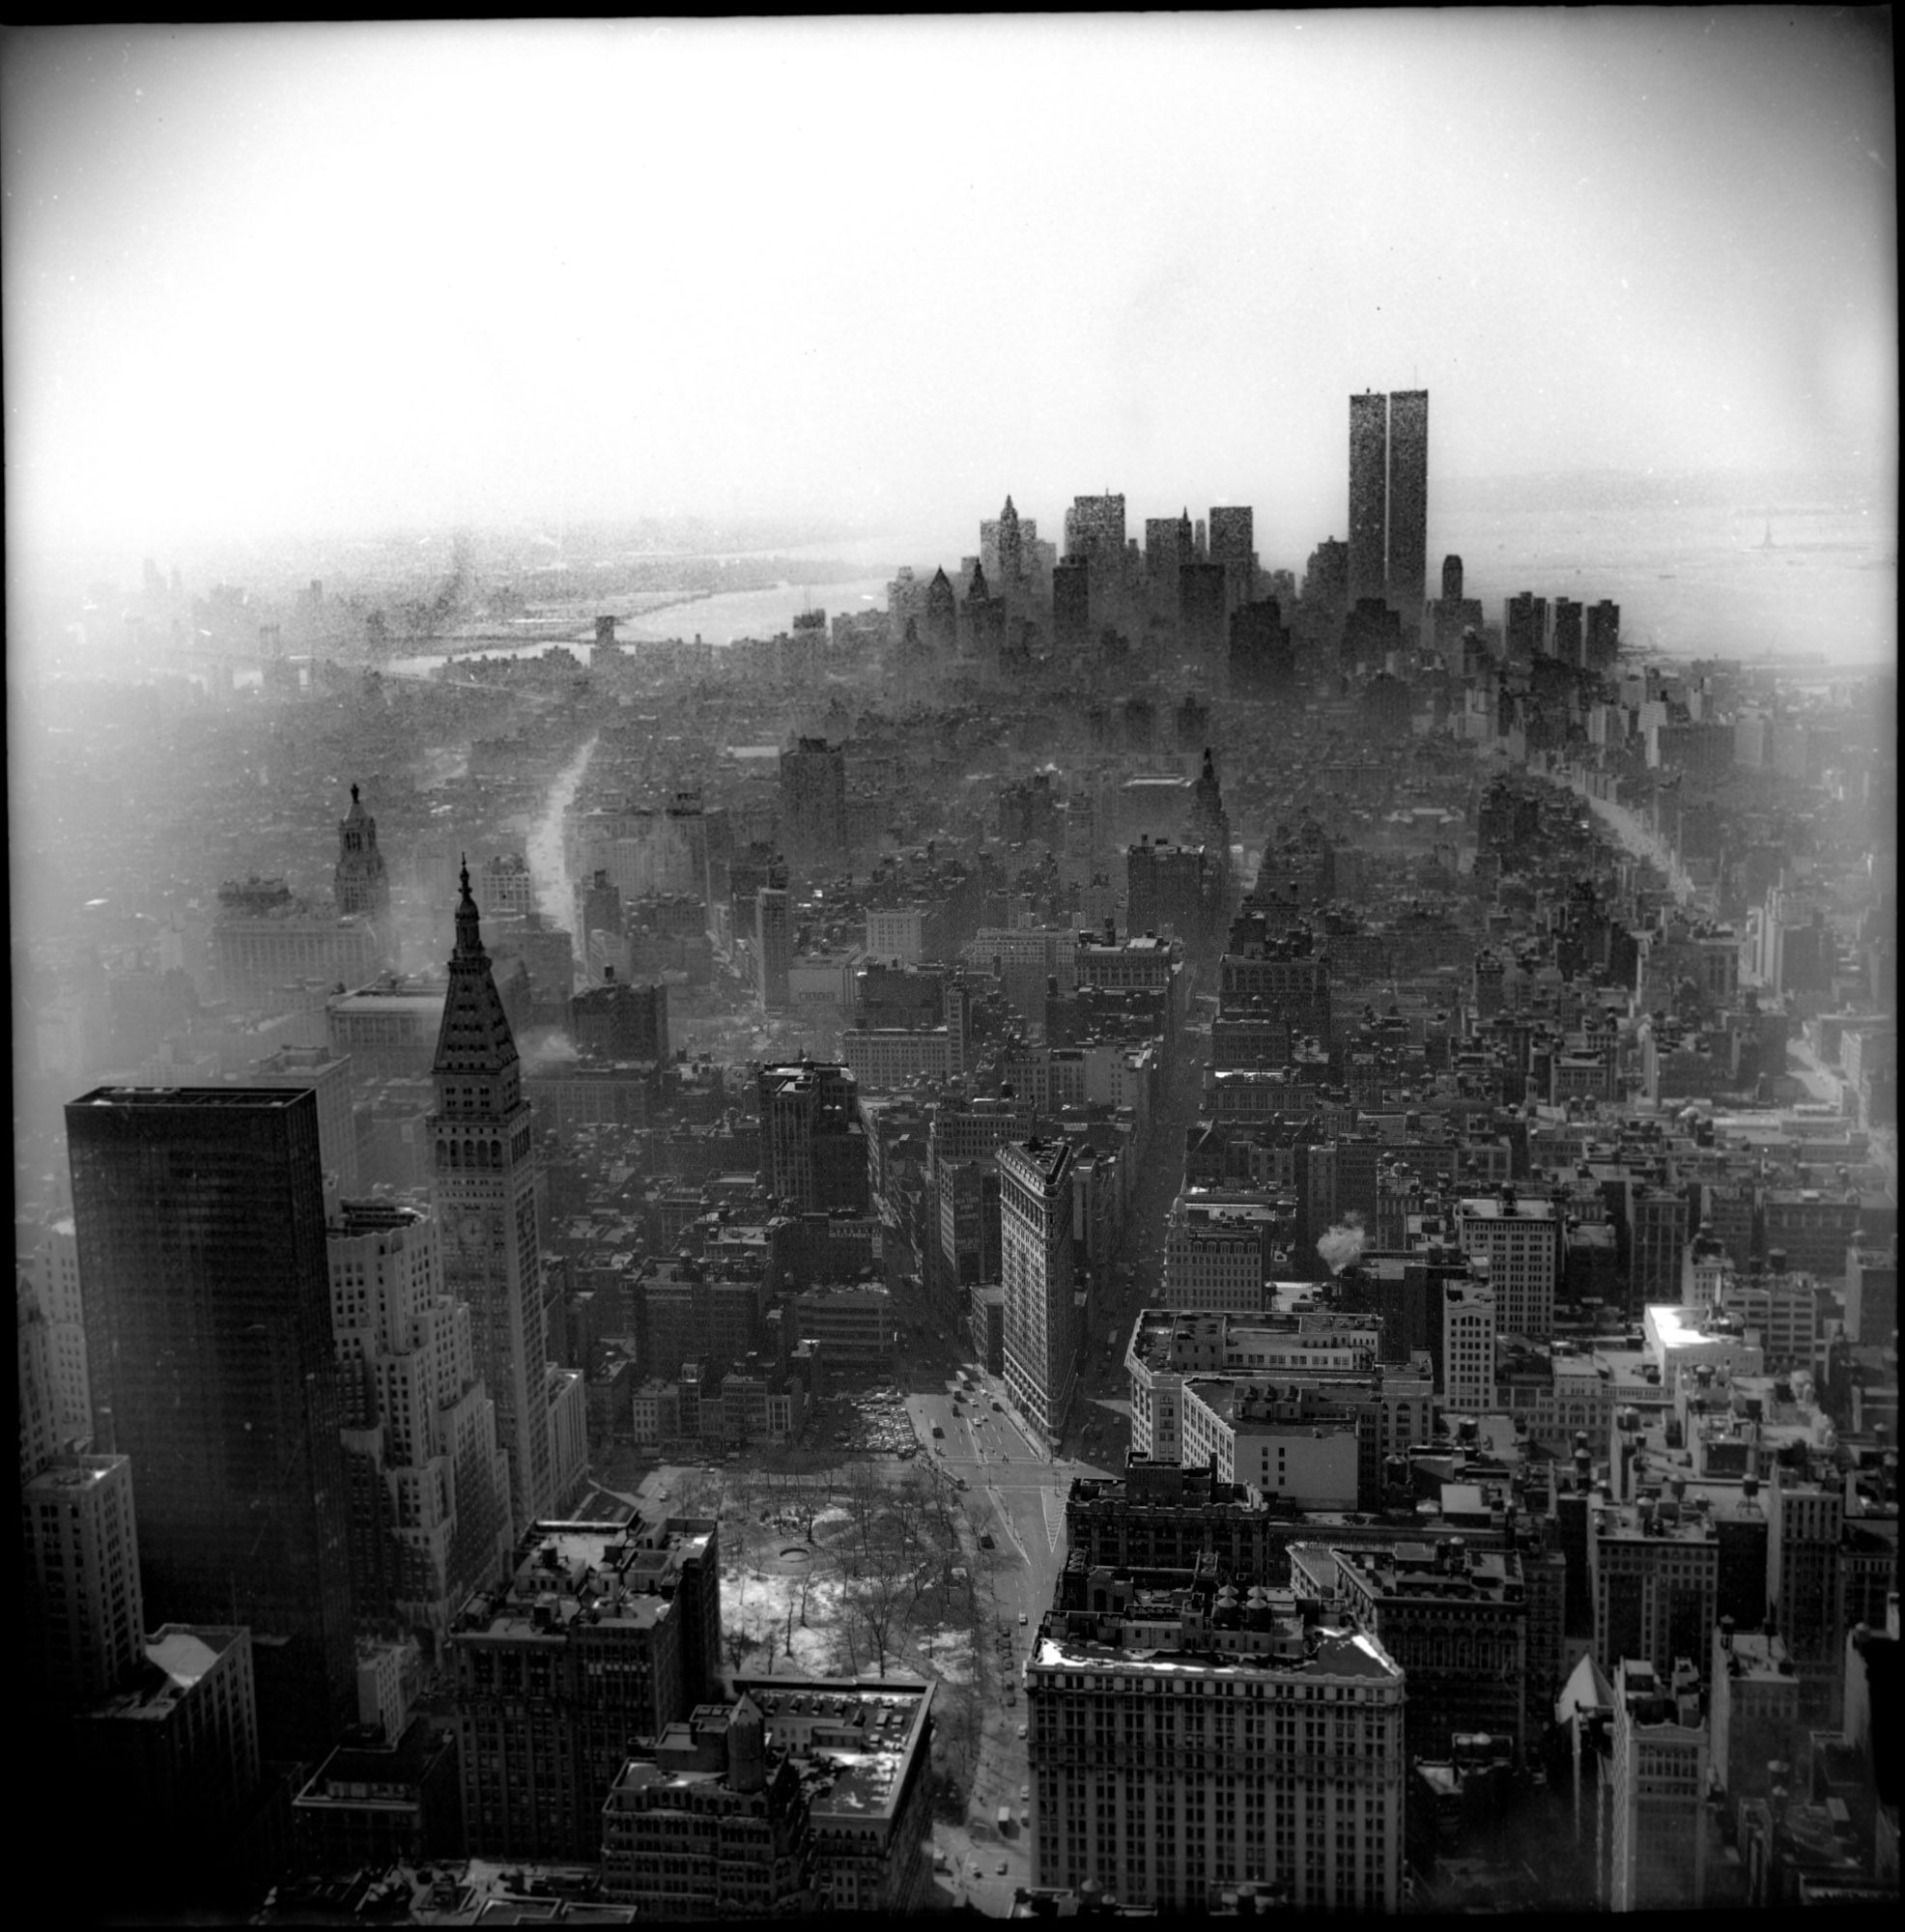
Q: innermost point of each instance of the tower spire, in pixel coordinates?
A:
(468, 932)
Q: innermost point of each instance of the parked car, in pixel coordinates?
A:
(1022, 1731)
(1002, 1867)
(1021, 1616)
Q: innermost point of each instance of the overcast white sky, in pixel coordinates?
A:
(316, 278)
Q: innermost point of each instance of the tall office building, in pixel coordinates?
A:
(1035, 1242)
(429, 1481)
(1168, 548)
(1601, 638)
(54, 1272)
(1525, 627)
(1095, 529)
(361, 884)
(328, 1076)
(1369, 494)
(1520, 1240)
(813, 802)
(1409, 498)
(1188, 1739)
(485, 1190)
(1389, 496)
(605, 1636)
(773, 948)
(33, 1357)
(1570, 635)
(1202, 606)
(200, 1219)
(1457, 1622)
(1071, 603)
(813, 1146)
(942, 627)
(1011, 548)
(1805, 1532)
(1469, 1348)
(177, 1747)
(1234, 545)
(1660, 1791)
(85, 1609)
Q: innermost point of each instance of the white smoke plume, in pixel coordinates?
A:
(542, 1051)
(1343, 1243)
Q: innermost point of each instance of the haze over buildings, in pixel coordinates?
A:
(1707, 284)
(713, 1219)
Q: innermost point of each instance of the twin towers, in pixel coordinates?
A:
(1389, 495)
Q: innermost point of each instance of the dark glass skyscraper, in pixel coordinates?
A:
(200, 1223)
(1369, 494)
(1409, 498)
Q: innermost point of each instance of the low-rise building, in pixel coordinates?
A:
(374, 1803)
(854, 1322)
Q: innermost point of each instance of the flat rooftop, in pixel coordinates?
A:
(1328, 1654)
(231, 1098)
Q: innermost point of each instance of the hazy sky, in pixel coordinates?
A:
(314, 278)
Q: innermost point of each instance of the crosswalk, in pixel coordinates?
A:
(1054, 1502)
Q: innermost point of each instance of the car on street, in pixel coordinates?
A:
(1022, 1731)
(1021, 1616)
(1025, 1793)
(1002, 1867)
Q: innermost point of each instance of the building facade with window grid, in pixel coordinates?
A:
(1520, 1240)
(607, 1634)
(1197, 1740)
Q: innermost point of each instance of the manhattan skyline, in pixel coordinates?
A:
(308, 280)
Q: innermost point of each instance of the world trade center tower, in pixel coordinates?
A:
(1369, 494)
(1389, 495)
(1409, 498)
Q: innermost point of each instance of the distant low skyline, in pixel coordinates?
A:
(314, 279)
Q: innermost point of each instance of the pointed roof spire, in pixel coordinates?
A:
(469, 929)
(353, 794)
(476, 1036)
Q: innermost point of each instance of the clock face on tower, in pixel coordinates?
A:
(470, 1227)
